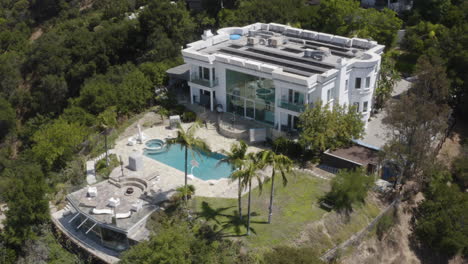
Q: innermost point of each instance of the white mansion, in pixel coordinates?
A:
(270, 72)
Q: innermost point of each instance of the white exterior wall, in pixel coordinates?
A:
(314, 88)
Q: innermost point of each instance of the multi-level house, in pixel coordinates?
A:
(395, 5)
(271, 72)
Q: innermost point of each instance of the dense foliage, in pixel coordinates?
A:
(70, 70)
(325, 126)
(349, 188)
(177, 241)
(441, 218)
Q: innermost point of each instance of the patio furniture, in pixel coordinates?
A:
(113, 202)
(131, 141)
(101, 211)
(92, 191)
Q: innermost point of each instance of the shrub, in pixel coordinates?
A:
(188, 117)
(181, 191)
(105, 171)
(349, 187)
(288, 147)
(385, 223)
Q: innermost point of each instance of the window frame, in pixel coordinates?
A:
(358, 81)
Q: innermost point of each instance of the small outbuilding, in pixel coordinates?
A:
(353, 157)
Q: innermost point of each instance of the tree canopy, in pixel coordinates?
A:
(324, 128)
(349, 188)
(55, 142)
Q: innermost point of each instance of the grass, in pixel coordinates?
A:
(294, 205)
(296, 215)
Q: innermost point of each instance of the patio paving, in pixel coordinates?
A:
(171, 178)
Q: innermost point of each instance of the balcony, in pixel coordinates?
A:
(204, 82)
(291, 106)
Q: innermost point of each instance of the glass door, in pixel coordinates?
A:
(249, 109)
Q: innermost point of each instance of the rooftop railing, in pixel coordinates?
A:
(296, 107)
(195, 78)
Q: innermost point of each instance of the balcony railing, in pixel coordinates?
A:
(291, 106)
(201, 81)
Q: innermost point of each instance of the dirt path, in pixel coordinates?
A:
(37, 33)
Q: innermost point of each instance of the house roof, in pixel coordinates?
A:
(357, 154)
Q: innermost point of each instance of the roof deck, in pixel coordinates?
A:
(300, 52)
(99, 209)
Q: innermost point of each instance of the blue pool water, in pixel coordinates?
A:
(207, 169)
(235, 36)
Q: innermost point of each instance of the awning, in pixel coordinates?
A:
(179, 70)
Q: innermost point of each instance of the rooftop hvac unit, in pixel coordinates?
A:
(318, 54)
(252, 41)
(262, 41)
(275, 42)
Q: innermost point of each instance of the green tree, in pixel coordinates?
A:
(278, 162)
(54, 143)
(51, 94)
(247, 174)
(123, 86)
(388, 76)
(7, 118)
(10, 74)
(107, 121)
(175, 240)
(416, 121)
(166, 27)
(381, 26)
(324, 128)
(236, 158)
(349, 187)
(186, 139)
(26, 200)
(440, 219)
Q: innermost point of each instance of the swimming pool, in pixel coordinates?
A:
(174, 156)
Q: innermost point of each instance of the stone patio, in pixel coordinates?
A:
(170, 178)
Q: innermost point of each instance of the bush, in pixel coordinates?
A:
(105, 171)
(288, 148)
(385, 223)
(189, 116)
(181, 191)
(349, 187)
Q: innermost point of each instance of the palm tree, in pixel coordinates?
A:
(107, 121)
(247, 174)
(186, 139)
(236, 158)
(278, 162)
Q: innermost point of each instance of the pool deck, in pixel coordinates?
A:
(170, 178)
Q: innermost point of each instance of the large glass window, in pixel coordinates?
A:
(114, 240)
(367, 82)
(250, 96)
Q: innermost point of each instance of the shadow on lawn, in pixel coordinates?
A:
(231, 221)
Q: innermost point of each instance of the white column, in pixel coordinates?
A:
(211, 100)
(191, 95)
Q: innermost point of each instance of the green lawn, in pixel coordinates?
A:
(295, 211)
(295, 205)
